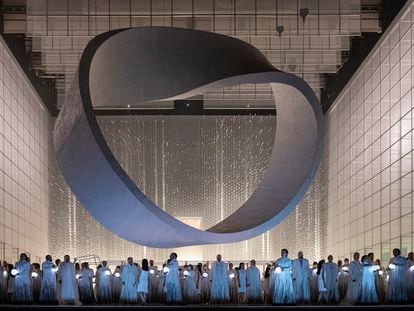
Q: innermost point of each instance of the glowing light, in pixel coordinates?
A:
(14, 272)
(391, 266)
(55, 269)
(314, 271)
(166, 270)
(345, 269)
(35, 274)
(107, 273)
(78, 276)
(185, 273)
(412, 268)
(231, 275)
(5, 274)
(152, 271)
(117, 274)
(376, 267)
(380, 272)
(205, 274)
(278, 270)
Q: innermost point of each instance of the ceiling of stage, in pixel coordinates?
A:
(310, 38)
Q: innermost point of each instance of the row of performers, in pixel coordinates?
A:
(284, 282)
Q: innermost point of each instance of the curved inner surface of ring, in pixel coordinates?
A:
(178, 63)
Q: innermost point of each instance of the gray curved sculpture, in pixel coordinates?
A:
(153, 63)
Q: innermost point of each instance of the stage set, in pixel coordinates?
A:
(149, 191)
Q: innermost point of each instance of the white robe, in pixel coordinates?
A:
(69, 286)
(368, 294)
(254, 286)
(143, 282)
(283, 292)
(23, 283)
(397, 282)
(300, 276)
(331, 270)
(219, 283)
(190, 291)
(172, 288)
(129, 277)
(85, 286)
(343, 281)
(103, 293)
(354, 282)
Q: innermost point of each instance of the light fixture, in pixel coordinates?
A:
(35, 274)
(117, 274)
(152, 271)
(107, 273)
(14, 272)
(278, 270)
(205, 274)
(231, 275)
(345, 269)
(391, 266)
(185, 273)
(5, 274)
(166, 270)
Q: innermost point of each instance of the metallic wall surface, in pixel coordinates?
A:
(172, 63)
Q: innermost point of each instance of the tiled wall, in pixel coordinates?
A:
(370, 147)
(24, 143)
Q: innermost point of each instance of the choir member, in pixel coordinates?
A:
(397, 283)
(10, 283)
(67, 279)
(283, 293)
(36, 281)
(241, 283)
(130, 279)
(343, 279)
(153, 281)
(331, 283)
(323, 291)
(313, 283)
(381, 281)
(85, 276)
(103, 294)
(3, 282)
(354, 281)
(116, 285)
(173, 293)
(142, 288)
(368, 294)
(22, 283)
(219, 282)
(300, 276)
(161, 284)
(233, 284)
(204, 284)
(190, 292)
(254, 286)
(410, 276)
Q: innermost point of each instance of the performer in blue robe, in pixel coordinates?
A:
(397, 282)
(130, 279)
(23, 284)
(331, 271)
(241, 283)
(172, 288)
(300, 276)
(354, 281)
(69, 286)
(219, 282)
(48, 293)
(190, 291)
(103, 293)
(283, 293)
(254, 286)
(85, 277)
(368, 294)
(410, 277)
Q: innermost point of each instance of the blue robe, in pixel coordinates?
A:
(173, 293)
(129, 278)
(331, 270)
(397, 282)
(48, 288)
(284, 293)
(23, 283)
(190, 287)
(354, 282)
(300, 276)
(103, 293)
(69, 286)
(368, 294)
(219, 283)
(254, 286)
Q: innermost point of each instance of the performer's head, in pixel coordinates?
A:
(396, 252)
(284, 252)
(218, 257)
(48, 258)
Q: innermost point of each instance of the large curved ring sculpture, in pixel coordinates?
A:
(134, 65)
